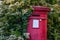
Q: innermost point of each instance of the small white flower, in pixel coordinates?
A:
(0, 2)
(17, 3)
(27, 35)
(12, 37)
(20, 38)
(52, 9)
(11, 5)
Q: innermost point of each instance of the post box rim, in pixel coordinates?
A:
(41, 8)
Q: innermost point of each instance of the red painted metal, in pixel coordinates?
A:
(38, 13)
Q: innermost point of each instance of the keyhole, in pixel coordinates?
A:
(40, 19)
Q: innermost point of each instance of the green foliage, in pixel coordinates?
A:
(14, 17)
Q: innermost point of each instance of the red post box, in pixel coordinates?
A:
(37, 23)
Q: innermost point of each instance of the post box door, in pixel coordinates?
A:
(37, 29)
